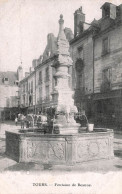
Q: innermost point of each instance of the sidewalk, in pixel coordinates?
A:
(8, 125)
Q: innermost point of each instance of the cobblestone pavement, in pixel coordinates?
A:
(7, 164)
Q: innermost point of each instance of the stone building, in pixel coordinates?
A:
(9, 101)
(97, 70)
(108, 66)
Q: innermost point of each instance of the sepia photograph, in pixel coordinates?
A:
(60, 96)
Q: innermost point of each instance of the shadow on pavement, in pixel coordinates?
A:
(118, 166)
(21, 167)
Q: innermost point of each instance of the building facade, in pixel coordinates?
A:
(97, 65)
(9, 96)
(108, 66)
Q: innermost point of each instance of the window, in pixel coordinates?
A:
(26, 87)
(31, 86)
(16, 83)
(107, 75)
(47, 74)
(106, 11)
(5, 79)
(23, 89)
(40, 93)
(40, 77)
(80, 52)
(105, 46)
(30, 100)
(47, 92)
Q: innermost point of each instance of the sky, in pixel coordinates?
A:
(25, 24)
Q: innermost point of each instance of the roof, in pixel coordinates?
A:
(12, 77)
(106, 4)
(51, 48)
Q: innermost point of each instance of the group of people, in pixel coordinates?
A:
(29, 119)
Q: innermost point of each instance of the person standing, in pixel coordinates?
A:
(22, 121)
(16, 121)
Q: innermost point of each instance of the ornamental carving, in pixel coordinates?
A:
(45, 151)
(36, 150)
(57, 150)
(93, 148)
(82, 151)
(97, 148)
(103, 145)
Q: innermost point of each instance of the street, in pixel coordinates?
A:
(7, 164)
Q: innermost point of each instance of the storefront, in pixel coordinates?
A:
(108, 108)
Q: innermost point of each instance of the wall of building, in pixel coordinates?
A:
(6, 94)
(41, 95)
(87, 45)
(108, 106)
(111, 60)
(85, 87)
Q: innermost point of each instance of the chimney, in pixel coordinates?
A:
(108, 10)
(50, 42)
(34, 63)
(79, 19)
(120, 11)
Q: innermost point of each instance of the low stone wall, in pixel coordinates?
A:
(60, 149)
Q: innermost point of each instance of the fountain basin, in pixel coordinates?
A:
(54, 149)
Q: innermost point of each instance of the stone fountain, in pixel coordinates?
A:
(65, 145)
(64, 122)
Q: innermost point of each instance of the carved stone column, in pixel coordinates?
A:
(64, 122)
